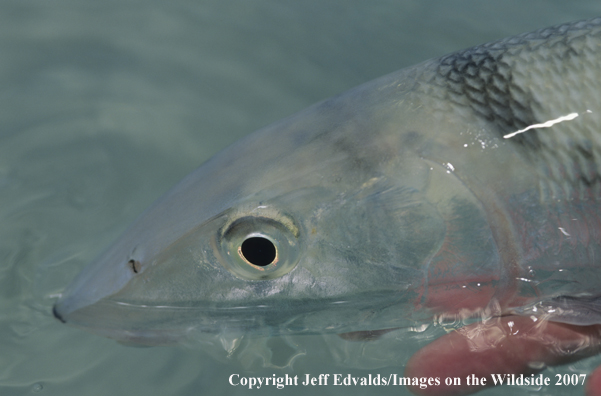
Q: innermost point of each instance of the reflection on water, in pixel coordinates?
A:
(107, 104)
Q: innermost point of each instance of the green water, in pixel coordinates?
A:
(104, 105)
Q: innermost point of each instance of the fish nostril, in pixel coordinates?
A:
(57, 315)
(135, 266)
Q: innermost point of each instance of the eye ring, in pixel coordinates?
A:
(259, 245)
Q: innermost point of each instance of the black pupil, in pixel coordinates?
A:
(258, 251)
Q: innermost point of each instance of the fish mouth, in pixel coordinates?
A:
(107, 319)
(152, 325)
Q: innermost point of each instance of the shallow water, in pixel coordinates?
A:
(107, 104)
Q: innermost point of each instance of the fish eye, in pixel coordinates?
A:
(258, 246)
(258, 250)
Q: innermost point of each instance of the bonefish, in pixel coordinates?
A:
(462, 186)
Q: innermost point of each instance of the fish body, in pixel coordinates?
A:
(464, 185)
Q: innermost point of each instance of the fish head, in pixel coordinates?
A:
(324, 222)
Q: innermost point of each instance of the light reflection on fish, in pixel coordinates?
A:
(464, 186)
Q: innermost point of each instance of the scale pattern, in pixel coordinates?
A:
(531, 79)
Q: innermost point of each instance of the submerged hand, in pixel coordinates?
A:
(506, 345)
